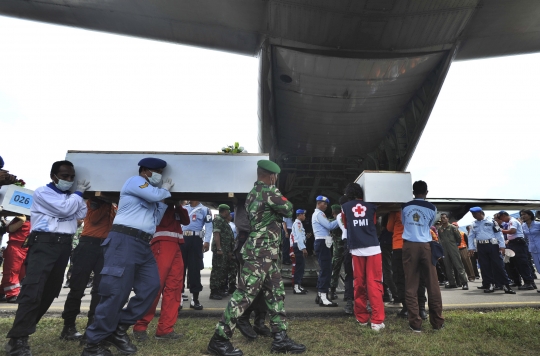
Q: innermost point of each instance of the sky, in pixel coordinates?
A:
(65, 89)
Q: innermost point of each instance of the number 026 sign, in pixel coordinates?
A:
(21, 199)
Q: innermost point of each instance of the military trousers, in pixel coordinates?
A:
(337, 261)
(464, 254)
(349, 277)
(300, 265)
(324, 257)
(492, 265)
(452, 259)
(259, 275)
(128, 264)
(45, 267)
(192, 254)
(221, 270)
(87, 258)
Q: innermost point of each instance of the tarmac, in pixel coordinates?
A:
(304, 305)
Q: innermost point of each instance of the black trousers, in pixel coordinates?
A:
(492, 265)
(300, 265)
(399, 280)
(45, 267)
(349, 278)
(387, 268)
(192, 254)
(87, 258)
(521, 259)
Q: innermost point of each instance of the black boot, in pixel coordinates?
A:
(214, 294)
(508, 290)
(333, 294)
(403, 313)
(18, 346)
(222, 347)
(349, 307)
(95, 350)
(120, 339)
(282, 344)
(70, 333)
(259, 326)
(423, 314)
(243, 324)
(490, 289)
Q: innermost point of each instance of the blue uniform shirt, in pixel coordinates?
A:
(417, 216)
(288, 222)
(321, 225)
(199, 217)
(482, 230)
(140, 205)
(532, 233)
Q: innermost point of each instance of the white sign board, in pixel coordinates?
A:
(191, 172)
(386, 186)
(15, 199)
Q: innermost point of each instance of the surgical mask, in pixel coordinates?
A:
(63, 185)
(155, 179)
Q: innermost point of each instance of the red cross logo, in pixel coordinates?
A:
(359, 211)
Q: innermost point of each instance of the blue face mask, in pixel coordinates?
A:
(155, 179)
(63, 185)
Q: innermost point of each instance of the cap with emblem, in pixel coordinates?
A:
(300, 211)
(224, 207)
(475, 209)
(323, 198)
(1, 162)
(152, 163)
(270, 166)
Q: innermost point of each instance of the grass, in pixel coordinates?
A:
(467, 332)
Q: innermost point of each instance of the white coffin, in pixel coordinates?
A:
(15, 199)
(191, 172)
(386, 186)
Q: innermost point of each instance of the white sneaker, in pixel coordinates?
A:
(377, 327)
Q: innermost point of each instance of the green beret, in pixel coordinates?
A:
(336, 207)
(224, 207)
(269, 166)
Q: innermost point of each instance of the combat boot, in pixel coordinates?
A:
(220, 346)
(18, 346)
(422, 313)
(214, 294)
(349, 307)
(120, 339)
(95, 350)
(70, 333)
(282, 344)
(259, 326)
(243, 324)
(333, 294)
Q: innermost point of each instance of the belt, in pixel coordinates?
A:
(50, 237)
(130, 231)
(192, 233)
(490, 241)
(517, 241)
(91, 240)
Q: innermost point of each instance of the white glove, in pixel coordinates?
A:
(328, 241)
(167, 184)
(82, 186)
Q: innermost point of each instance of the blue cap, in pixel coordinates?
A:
(232, 215)
(1, 162)
(475, 209)
(300, 211)
(323, 198)
(152, 163)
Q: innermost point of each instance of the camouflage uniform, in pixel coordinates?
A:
(338, 249)
(221, 264)
(266, 207)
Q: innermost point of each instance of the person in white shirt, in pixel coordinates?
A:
(298, 242)
(54, 214)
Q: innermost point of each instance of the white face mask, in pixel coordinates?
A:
(63, 185)
(155, 179)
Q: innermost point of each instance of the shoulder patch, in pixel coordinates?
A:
(144, 185)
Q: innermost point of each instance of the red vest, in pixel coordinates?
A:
(21, 234)
(170, 229)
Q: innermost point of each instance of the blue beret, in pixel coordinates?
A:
(475, 209)
(300, 211)
(1, 162)
(152, 163)
(323, 198)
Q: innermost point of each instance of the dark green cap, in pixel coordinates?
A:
(269, 166)
(336, 207)
(224, 206)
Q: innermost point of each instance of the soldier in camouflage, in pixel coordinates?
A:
(338, 249)
(222, 256)
(266, 208)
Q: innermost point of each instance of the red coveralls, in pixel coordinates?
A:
(14, 256)
(166, 248)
